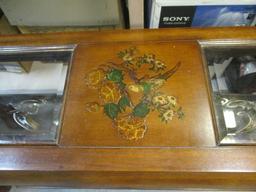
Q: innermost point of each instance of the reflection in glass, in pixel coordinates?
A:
(32, 86)
(231, 69)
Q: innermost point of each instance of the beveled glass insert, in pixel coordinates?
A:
(32, 88)
(231, 72)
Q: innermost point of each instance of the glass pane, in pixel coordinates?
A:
(32, 86)
(231, 69)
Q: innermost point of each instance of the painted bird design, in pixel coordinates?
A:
(153, 83)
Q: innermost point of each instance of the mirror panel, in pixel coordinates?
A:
(32, 89)
(231, 73)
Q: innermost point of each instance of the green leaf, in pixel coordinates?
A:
(115, 75)
(141, 110)
(146, 87)
(124, 102)
(111, 110)
(180, 113)
(122, 85)
(120, 54)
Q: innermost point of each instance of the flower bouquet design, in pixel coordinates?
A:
(126, 98)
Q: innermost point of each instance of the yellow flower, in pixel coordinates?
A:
(164, 100)
(160, 100)
(127, 58)
(92, 107)
(159, 65)
(150, 58)
(127, 55)
(94, 78)
(167, 116)
(172, 100)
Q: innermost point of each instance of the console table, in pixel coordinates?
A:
(133, 142)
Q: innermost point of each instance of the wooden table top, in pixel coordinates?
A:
(99, 146)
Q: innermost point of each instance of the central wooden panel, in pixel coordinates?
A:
(98, 127)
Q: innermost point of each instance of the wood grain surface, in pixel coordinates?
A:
(187, 85)
(180, 154)
(131, 36)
